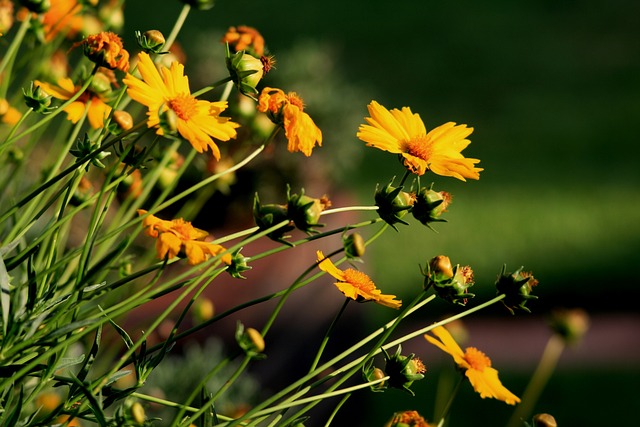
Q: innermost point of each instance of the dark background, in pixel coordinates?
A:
(552, 89)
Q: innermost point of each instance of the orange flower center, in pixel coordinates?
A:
(476, 359)
(358, 279)
(184, 106)
(420, 147)
(294, 99)
(182, 229)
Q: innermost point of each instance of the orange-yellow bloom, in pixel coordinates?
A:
(287, 110)
(8, 114)
(476, 366)
(355, 284)
(63, 16)
(243, 37)
(180, 237)
(98, 109)
(106, 49)
(404, 133)
(168, 94)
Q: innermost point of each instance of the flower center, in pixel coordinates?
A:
(184, 106)
(358, 279)
(182, 229)
(477, 359)
(294, 99)
(420, 147)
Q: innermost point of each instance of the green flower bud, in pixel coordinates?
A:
(85, 147)
(151, 41)
(571, 325)
(371, 373)
(246, 71)
(517, 287)
(101, 84)
(238, 265)
(430, 205)
(354, 245)
(450, 283)
(37, 99)
(393, 204)
(137, 413)
(266, 216)
(305, 211)
(251, 341)
(403, 370)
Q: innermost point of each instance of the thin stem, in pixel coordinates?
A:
(211, 87)
(337, 408)
(13, 48)
(349, 209)
(326, 337)
(186, 8)
(447, 407)
(548, 362)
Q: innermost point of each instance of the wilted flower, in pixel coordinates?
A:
(106, 50)
(355, 284)
(407, 419)
(403, 370)
(245, 38)
(180, 237)
(288, 111)
(169, 99)
(476, 366)
(404, 133)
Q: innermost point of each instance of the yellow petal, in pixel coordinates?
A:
(327, 266)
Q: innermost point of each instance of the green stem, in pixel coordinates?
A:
(326, 337)
(337, 408)
(13, 48)
(548, 362)
(447, 407)
(349, 209)
(186, 8)
(211, 87)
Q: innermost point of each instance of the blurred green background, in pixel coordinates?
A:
(552, 89)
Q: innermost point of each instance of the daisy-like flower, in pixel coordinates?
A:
(179, 236)
(168, 94)
(95, 102)
(404, 133)
(355, 284)
(476, 366)
(287, 110)
(106, 50)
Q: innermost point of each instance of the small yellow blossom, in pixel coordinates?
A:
(179, 236)
(98, 109)
(8, 114)
(355, 284)
(287, 110)
(476, 366)
(404, 133)
(197, 121)
(106, 50)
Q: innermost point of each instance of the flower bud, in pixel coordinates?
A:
(516, 287)
(403, 370)
(6, 16)
(123, 120)
(393, 204)
(238, 265)
(430, 205)
(354, 245)
(203, 309)
(100, 84)
(251, 341)
(305, 211)
(266, 216)
(544, 420)
(151, 41)
(450, 283)
(571, 325)
(137, 413)
(37, 99)
(246, 72)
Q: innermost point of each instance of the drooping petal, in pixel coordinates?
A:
(327, 266)
(487, 384)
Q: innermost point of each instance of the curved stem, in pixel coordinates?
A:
(186, 8)
(447, 407)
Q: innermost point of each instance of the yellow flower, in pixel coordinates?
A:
(8, 114)
(98, 109)
(404, 133)
(287, 111)
(476, 366)
(196, 120)
(105, 49)
(64, 16)
(355, 284)
(179, 236)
